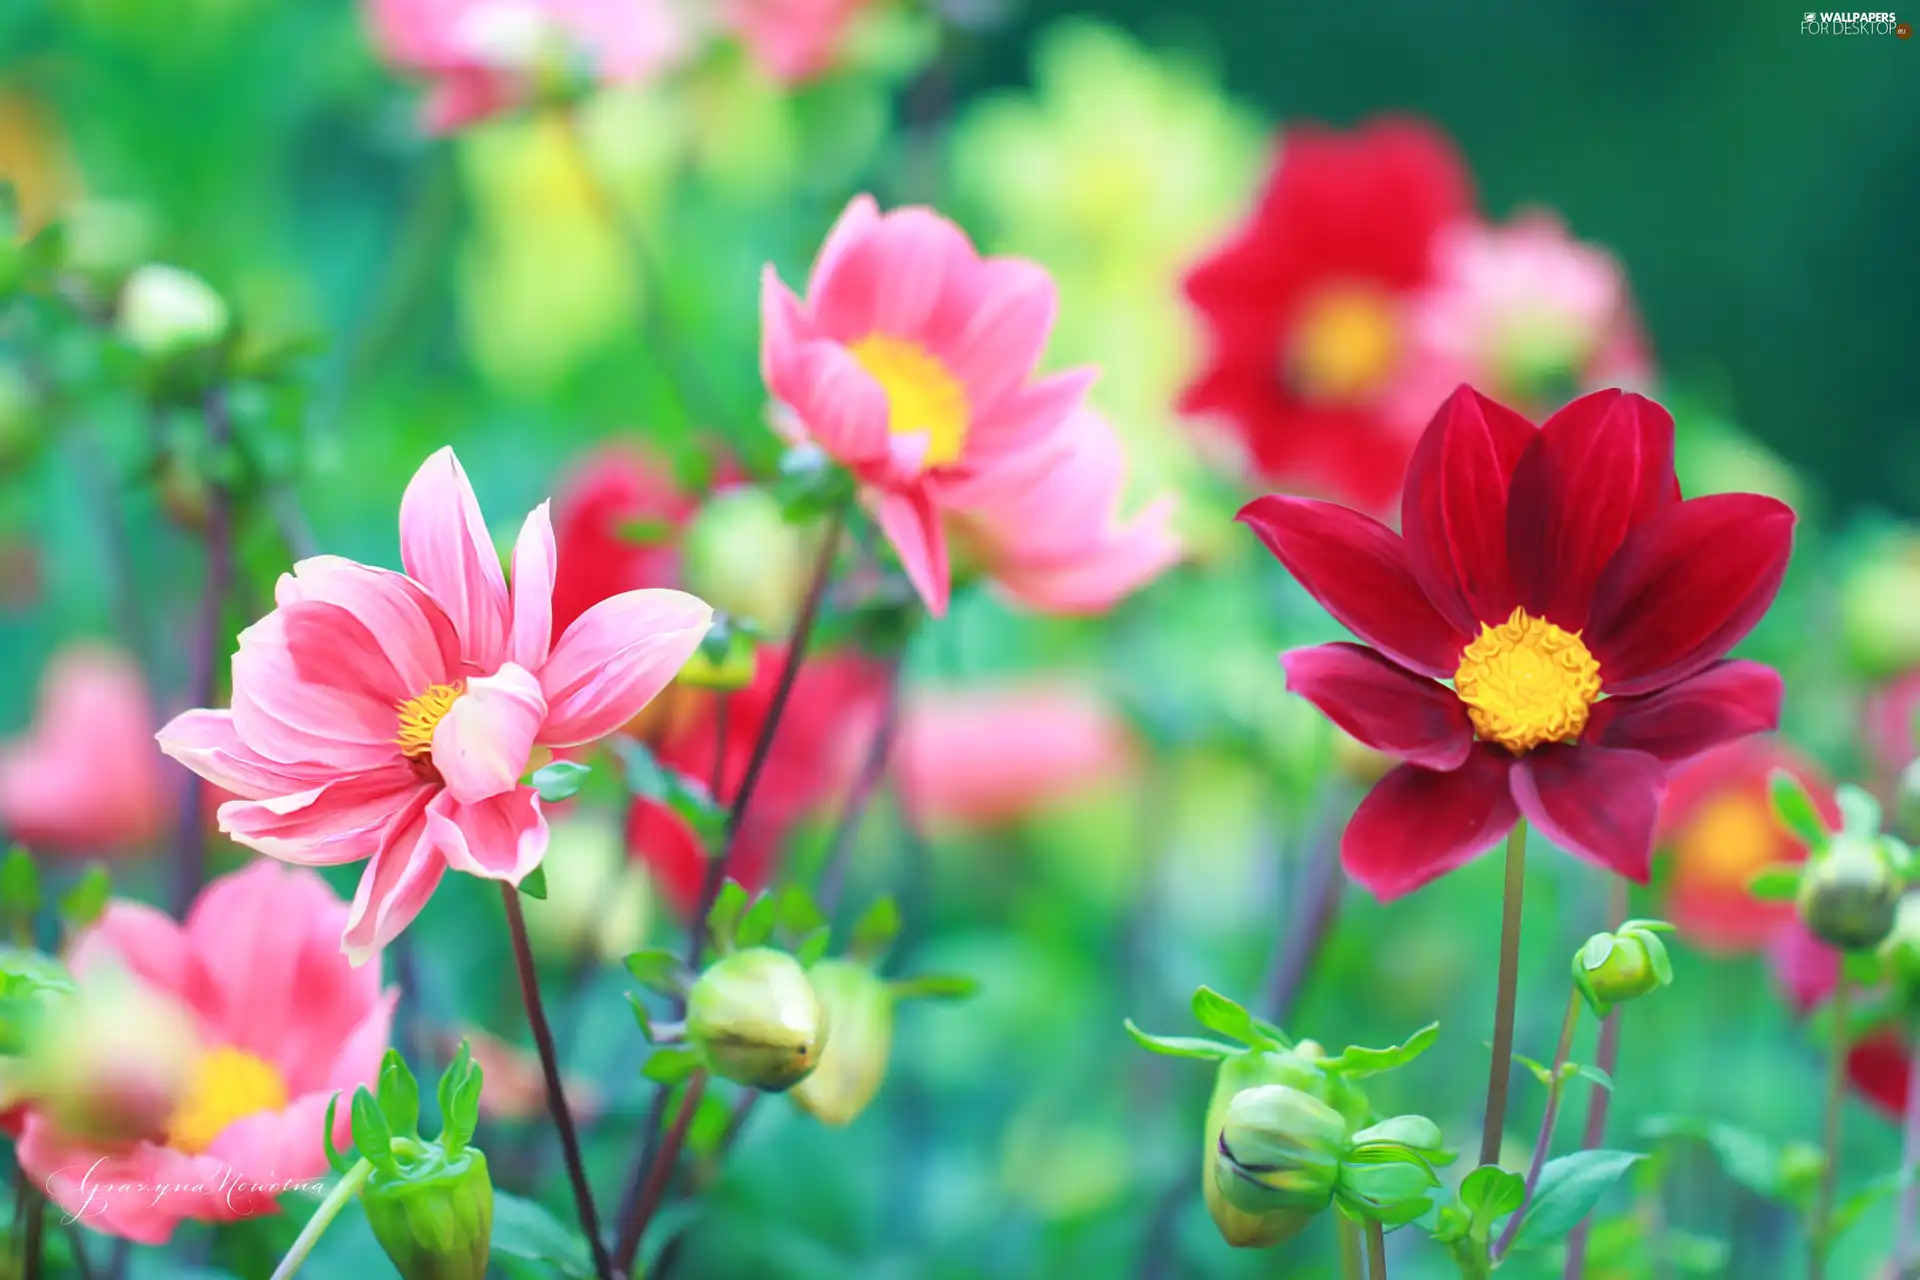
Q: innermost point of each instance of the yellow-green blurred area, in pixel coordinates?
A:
(552, 278)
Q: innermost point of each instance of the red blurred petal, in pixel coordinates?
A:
(596, 554)
(1728, 700)
(1882, 1070)
(1597, 803)
(1382, 705)
(1685, 587)
(1453, 514)
(1418, 824)
(1806, 968)
(1357, 569)
(1597, 468)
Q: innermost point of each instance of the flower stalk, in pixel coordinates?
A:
(1544, 1143)
(343, 1192)
(1819, 1225)
(1509, 979)
(1376, 1251)
(1906, 1258)
(190, 841)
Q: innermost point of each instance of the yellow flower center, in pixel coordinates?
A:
(1526, 683)
(420, 716)
(923, 397)
(1731, 837)
(228, 1084)
(1344, 345)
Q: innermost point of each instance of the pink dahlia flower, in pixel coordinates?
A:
(392, 716)
(911, 362)
(792, 40)
(83, 778)
(486, 56)
(284, 1025)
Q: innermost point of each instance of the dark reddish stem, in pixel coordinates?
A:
(654, 1189)
(1544, 1143)
(1607, 1058)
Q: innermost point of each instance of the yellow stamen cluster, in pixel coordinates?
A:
(420, 716)
(1731, 837)
(1527, 683)
(923, 396)
(1344, 345)
(228, 1084)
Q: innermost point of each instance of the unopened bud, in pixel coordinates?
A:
(435, 1220)
(756, 1020)
(740, 555)
(598, 900)
(1279, 1149)
(853, 1061)
(1613, 968)
(1251, 1228)
(1849, 895)
(165, 311)
(113, 1063)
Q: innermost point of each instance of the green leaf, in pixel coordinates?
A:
(560, 780)
(83, 904)
(1358, 1062)
(1597, 1076)
(1417, 1132)
(1568, 1190)
(1848, 1211)
(1777, 883)
(459, 1097)
(875, 931)
(1217, 1013)
(1859, 811)
(757, 923)
(641, 1017)
(810, 948)
(339, 1162)
(398, 1094)
(1863, 968)
(1540, 1071)
(1748, 1159)
(1646, 924)
(534, 884)
(800, 916)
(1491, 1192)
(671, 1065)
(727, 906)
(1272, 1031)
(19, 884)
(658, 969)
(370, 1131)
(936, 986)
(524, 1230)
(645, 776)
(1795, 809)
(1657, 958)
(1182, 1046)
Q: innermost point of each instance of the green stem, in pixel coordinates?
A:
(1905, 1264)
(1502, 1070)
(344, 1190)
(1376, 1252)
(1544, 1142)
(1818, 1229)
(1350, 1265)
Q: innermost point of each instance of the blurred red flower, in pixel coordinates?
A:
(1303, 304)
(1718, 821)
(1892, 727)
(1540, 569)
(600, 521)
(1880, 1063)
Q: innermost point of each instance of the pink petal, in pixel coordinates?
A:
(395, 886)
(1453, 511)
(1358, 570)
(484, 742)
(206, 742)
(144, 943)
(411, 629)
(502, 838)
(840, 406)
(308, 690)
(1032, 428)
(891, 276)
(445, 546)
(1685, 587)
(1726, 701)
(1101, 574)
(337, 822)
(112, 1191)
(1418, 824)
(534, 561)
(1005, 331)
(854, 224)
(1598, 803)
(785, 329)
(1597, 467)
(1382, 705)
(615, 658)
(912, 525)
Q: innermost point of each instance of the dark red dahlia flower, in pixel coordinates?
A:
(1303, 306)
(1545, 636)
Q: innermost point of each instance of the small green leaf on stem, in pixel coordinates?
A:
(534, 884)
(560, 780)
(83, 904)
(1795, 810)
(756, 923)
(1228, 1017)
(671, 1065)
(658, 969)
(370, 1132)
(1182, 1046)
(19, 884)
(1568, 1190)
(936, 986)
(1358, 1062)
(334, 1157)
(1777, 883)
(727, 908)
(875, 931)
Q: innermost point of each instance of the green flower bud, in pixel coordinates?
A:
(434, 1217)
(165, 311)
(1279, 1148)
(1613, 968)
(740, 555)
(1849, 896)
(1266, 1227)
(853, 1061)
(756, 1020)
(1801, 1165)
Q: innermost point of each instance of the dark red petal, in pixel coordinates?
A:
(1882, 1070)
(1726, 701)
(1357, 569)
(1382, 705)
(1418, 824)
(1596, 468)
(1594, 802)
(1453, 514)
(1685, 587)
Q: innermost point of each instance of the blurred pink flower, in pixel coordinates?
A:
(1523, 312)
(911, 362)
(1892, 726)
(285, 1024)
(391, 716)
(792, 40)
(84, 777)
(512, 1087)
(1050, 531)
(486, 56)
(991, 755)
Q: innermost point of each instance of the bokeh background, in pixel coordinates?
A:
(1760, 188)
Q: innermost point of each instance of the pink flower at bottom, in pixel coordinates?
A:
(391, 717)
(285, 1024)
(988, 756)
(792, 40)
(84, 778)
